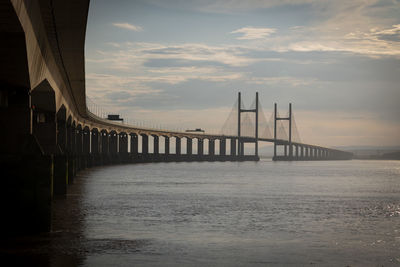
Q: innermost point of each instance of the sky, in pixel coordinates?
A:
(181, 63)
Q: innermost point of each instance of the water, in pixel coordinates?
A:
(326, 213)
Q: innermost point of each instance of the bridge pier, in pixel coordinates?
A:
(145, 146)
(177, 146)
(104, 147)
(123, 147)
(189, 146)
(86, 147)
(211, 147)
(95, 147)
(61, 159)
(222, 147)
(26, 159)
(79, 147)
(134, 143)
(166, 147)
(233, 147)
(71, 139)
(200, 147)
(156, 147)
(113, 146)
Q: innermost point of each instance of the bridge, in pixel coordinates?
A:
(48, 134)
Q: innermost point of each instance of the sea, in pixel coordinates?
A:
(304, 213)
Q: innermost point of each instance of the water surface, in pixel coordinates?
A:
(326, 213)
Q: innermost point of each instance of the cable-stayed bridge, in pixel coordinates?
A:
(242, 126)
(250, 125)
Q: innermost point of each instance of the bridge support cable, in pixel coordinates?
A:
(264, 125)
(230, 126)
(295, 132)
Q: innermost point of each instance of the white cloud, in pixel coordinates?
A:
(128, 26)
(293, 81)
(252, 33)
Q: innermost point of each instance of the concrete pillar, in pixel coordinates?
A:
(79, 140)
(286, 150)
(222, 147)
(60, 175)
(307, 151)
(72, 153)
(302, 151)
(74, 149)
(44, 126)
(86, 141)
(95, 149)
(233, 147)
(166, 143)
(104, 142)
(123, 143)
(69, 141)
(15, 111)
(85, 162)
(134, 144)
(113, 144)
(189, 146)
(95, 158)
(26, 194)
(61, 160)
(62, 130)
(156, 144)
(200, 147)
(211, 147)
(79, 148)
(145, 144)
(178, 145)
(297, 151)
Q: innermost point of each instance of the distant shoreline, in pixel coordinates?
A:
(386, 156)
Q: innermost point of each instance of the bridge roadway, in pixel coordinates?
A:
(47, 133)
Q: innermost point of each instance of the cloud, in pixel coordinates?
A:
(128, 26)
(293, 81)
(252, 33)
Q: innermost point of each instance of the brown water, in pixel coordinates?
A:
(336, 213)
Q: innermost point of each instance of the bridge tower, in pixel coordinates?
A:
(243, 140)
(289, 119)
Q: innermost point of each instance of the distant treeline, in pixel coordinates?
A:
(391, 155)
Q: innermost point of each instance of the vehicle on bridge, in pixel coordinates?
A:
(195, 130)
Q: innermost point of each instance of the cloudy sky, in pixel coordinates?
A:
(181, 63)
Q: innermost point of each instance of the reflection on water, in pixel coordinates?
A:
(234, 214)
